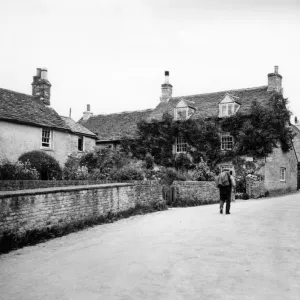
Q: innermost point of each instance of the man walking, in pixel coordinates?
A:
(223, 182)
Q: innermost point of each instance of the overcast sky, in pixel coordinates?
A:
(112, 54)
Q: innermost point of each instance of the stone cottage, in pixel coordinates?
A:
(28, 122)
(279, 169)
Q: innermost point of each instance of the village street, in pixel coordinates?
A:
(182, 253)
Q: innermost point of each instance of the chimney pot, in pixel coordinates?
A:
(44, 74)
(38, 72)
(166, 73)
(88, 107)
(276, 69)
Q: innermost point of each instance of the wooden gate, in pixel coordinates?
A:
(169, 194)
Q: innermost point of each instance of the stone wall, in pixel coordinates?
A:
(40, 209)
(197, 192)
(14, 185)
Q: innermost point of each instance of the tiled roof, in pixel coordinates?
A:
(114, 126)
(207, 105)
(22, 108)
(76, 127)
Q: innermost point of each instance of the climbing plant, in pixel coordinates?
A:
(255, 134)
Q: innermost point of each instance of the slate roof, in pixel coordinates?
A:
(113, 126)
(76, 127)
(25, 109)
(207, 105)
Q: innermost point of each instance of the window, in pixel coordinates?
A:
(46, 138)
(181, 113)
(228, 109)
(282, 174)
(80, 143)
(226, 141)
(181, 145)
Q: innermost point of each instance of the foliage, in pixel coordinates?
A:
(168, 175)
(127, 172)
(201, 172)
(71, 168)
(104, 160)
(46, 165)
(149, 161)
(183, 162)
(256, 134)
(264, 130)
(17, 171)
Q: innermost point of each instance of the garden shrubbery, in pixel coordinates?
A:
(46, 165)
(17, 171)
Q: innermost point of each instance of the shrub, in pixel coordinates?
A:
(46, 165)
(168, 175)
(183, 162)
(149, 161)
(201, 172)
(128, 172)
(71, 167)
(17, 171)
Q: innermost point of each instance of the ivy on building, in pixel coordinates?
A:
(255, 134)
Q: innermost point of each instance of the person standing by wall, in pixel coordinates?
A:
(223, 182)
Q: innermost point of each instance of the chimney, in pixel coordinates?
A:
(41, 86)
(166, 89)
(87, 114)
(274, 81)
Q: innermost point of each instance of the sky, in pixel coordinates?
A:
(112, 54)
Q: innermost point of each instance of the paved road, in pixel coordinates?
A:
(182, 253)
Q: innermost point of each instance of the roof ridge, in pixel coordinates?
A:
(236, 90)
(11, 91)
(123, 112)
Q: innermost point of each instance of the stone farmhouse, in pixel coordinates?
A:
(279, 169)
(28, 122)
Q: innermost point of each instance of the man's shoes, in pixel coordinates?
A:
(221, 211)
(228, 213)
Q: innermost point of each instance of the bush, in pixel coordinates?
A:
(168, 175)
(149, 161)
(71, 168)
(201, 172)
(183, 162)
(126, 173)
(47, 166)
(17, 171)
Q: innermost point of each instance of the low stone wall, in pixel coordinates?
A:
(40, 209)
(15, 185)
(255, 189)
(196, 192)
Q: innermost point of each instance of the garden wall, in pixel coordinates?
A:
(40, 209)
(195, 193)
(14, 185)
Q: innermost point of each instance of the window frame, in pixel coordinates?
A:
(49, 144)
(282, 178)
(183, 109)
(180, 145)
(82, 138)
(225, 112)
(224, 135)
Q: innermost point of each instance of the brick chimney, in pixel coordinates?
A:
(87, 114)
(166, 89)
(41, 86)
(274, 81)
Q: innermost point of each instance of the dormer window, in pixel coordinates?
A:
(228, 106)
(183, 111)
